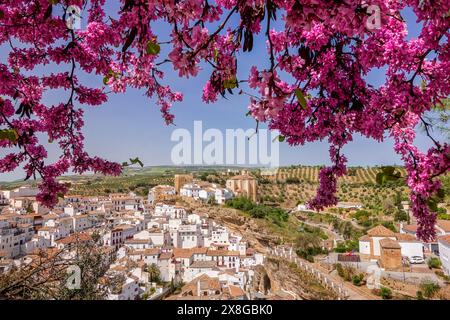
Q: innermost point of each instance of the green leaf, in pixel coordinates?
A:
(386, 174)
(440, 194)
(389, 170)
(380, 178)
(125, 164)
(280, 138)
(137, 161)
(300, 98)
(230, 83)
(9, 134)
(423, 85)
(106, 80)
(153, 48)
(432, 204)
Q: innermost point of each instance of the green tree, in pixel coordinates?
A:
(154, 274)
(347, 229)
(401, 215)
(386, 293)
(47, 276)
(434, 263)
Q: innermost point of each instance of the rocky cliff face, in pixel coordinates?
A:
(258, 238)
(278, 276)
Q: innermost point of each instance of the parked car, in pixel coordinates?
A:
(416, 260)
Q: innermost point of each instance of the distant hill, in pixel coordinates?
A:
(302, 173)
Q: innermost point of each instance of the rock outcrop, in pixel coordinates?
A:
(278, 276)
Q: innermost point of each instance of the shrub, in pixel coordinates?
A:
(340, 270)
(401, 215)
(358, 279)
(419, 295)
(345, 272)
(241, 203)
(292, 180)
(434, 263)
(386, 293)
(429, 289)
(389, 225)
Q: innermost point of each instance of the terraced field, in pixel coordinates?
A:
(311, 174)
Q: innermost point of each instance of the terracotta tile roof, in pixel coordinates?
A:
(403, 237)
(411, 228)
(137, 241)
(364, 238)
(145, 252)
(201, 250)
(165, 256)
(79, 237)
(389, 244)
(230, 272)
(444, 225)
(203, 264)
(151, 252)
(235, 291)
(222, 253)
(206, 283)
(380, 231)
(182, 253)
(445, 239)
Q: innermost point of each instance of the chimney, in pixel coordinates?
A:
(198, 288)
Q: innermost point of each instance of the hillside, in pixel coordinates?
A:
(358, 175)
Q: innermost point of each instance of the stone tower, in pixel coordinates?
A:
(181, 180)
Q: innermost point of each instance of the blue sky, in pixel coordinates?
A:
(130, 125)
